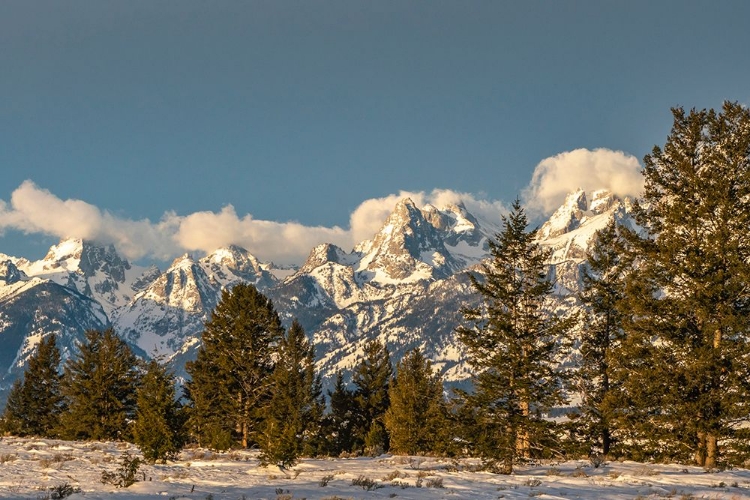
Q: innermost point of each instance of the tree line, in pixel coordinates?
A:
(253, 384)
(659, 359)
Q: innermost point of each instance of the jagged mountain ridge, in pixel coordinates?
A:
(405, 286)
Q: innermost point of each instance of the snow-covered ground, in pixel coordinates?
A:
(34, 468)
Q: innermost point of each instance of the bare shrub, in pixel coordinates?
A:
(645, 471)
(396, 474)
(366, 483)
(596, 460)
(325, 480)
(63, 490)
(434, 482)
(579, 473)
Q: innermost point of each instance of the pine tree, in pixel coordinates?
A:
(230, 380)
(601, 338)
(294, 409)
(513, 339)
(158, 430)
(35, 401)
(339, 422)
(690, 299)
(99, 387)
(416, 419)
(372, 378)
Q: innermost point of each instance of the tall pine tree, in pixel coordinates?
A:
(601, 337)
(35, 401)
(99, 386)
(416, 419)
(159, 428)
(294, 410)
(691, 294)
(338, 423)
(230, 382)
(513, 338)
(372, 378)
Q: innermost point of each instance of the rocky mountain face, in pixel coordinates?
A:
(33, 308)
(405, 286)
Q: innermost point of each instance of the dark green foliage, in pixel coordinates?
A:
(35, 401)
(416, 420)
(513, 339)
(601, 339)
(99, 386)
(690, 299)
(371, 378)
(295, 407)
(126, 474)
(62, 490)
(159, 428)
(230, 380)
(338, 424)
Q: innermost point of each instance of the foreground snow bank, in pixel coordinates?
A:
(39, 468)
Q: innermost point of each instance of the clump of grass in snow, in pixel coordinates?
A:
(396, 474)
(325, 480)
(366, 483)
(579, 473)
(434, 482)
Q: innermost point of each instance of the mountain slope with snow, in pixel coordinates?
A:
(405, 286)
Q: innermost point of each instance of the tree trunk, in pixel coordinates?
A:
(523, 447)
(712, 450)
(606, 441)
(700, 452)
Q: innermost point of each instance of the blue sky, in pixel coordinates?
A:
(145, 116)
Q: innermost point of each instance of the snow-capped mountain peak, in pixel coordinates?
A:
(233, 264)
(10, 274)
(567, 217)
(325, 253)
(407, 248)
(91, 269)
(601, 201)
(233, 256)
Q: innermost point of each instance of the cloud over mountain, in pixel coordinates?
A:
(33, 209)
(558, 175)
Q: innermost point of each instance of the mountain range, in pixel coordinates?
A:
(405, 286)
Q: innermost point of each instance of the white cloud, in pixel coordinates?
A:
(561, 174)
(36, 210)
(282, 242)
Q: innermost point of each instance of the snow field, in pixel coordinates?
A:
(30, 468)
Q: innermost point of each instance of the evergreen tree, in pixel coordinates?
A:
(230, 382)
(688, 335)
(601, 338)
(295, 407)
(35, 401)
(158, 429)
(372, 378)
(416, 419)
(513, 339)
(339, 422)
(99, 386)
